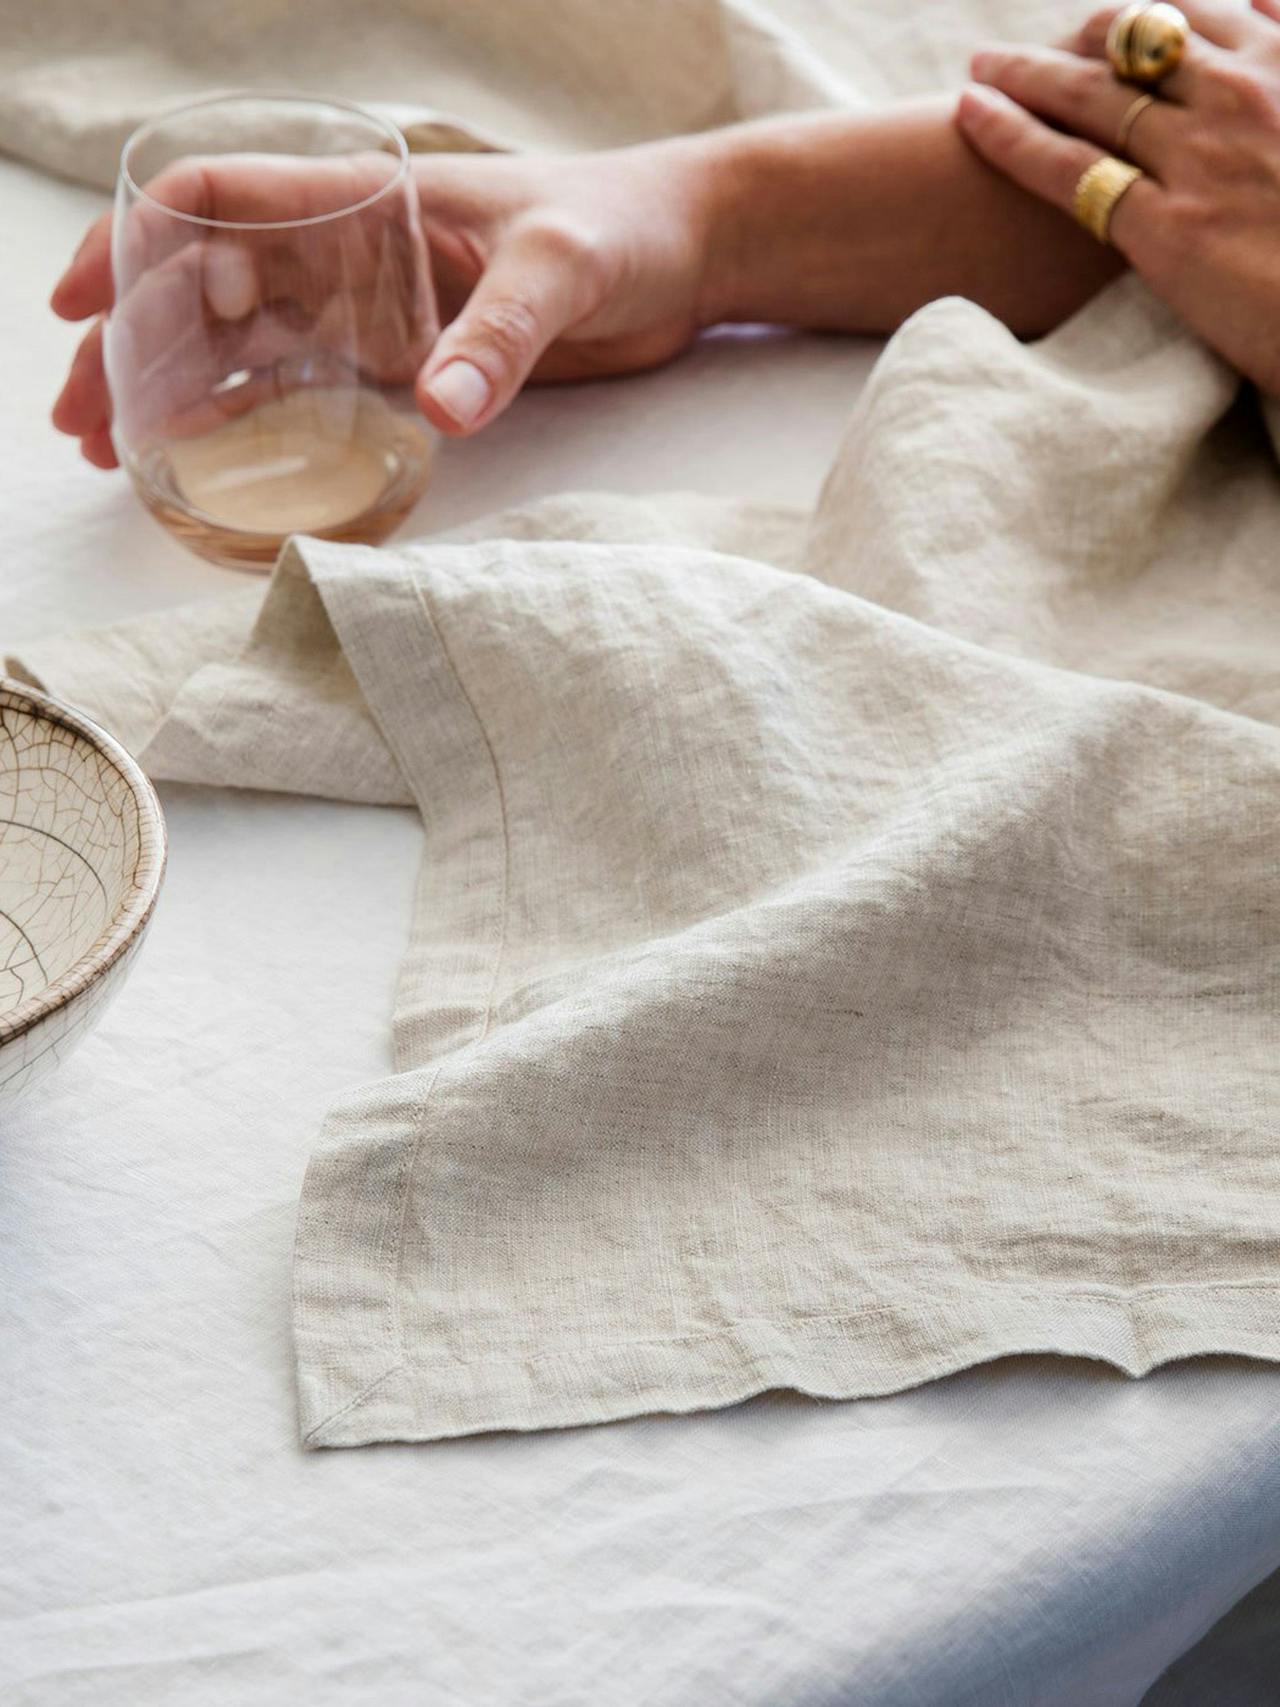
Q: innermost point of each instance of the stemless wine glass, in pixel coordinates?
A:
(273, 303)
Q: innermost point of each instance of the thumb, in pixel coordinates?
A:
(538, 282)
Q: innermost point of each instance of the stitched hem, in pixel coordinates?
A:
(356, 1196)
(357, 1387)
(881, 1349)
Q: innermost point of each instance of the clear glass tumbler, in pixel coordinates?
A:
(273, 304)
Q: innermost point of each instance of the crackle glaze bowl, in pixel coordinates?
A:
(82, 851)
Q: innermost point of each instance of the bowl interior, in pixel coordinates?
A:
(74, 846)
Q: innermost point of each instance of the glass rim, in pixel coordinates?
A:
(298, 98)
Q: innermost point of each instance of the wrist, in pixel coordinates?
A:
(722, 170)
(765, 186)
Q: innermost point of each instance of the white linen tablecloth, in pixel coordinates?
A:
(1032, 1532)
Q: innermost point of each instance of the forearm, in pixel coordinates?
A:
(850, 222)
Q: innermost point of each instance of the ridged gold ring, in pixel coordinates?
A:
(1146, 42)
(1099, 189)
(1132, 113)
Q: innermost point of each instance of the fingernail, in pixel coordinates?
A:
(978, 95)
(461, 390)
(230, 281)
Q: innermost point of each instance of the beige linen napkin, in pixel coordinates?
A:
(827, 971)
(77, 76)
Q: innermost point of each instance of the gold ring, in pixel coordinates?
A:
(1099, 189)
(1132, 113)
(1146, 42)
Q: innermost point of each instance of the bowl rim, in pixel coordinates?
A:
(134, 910)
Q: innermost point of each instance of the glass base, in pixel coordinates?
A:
(339, 465)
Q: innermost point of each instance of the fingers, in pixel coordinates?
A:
(1217, 28)
(1082, 95)
(230, 280)
(98, 449)
(166, 347)
(236, 189)
(84, 407)
(1268, 9)
(83, 404)
(543, 279)
(226, 275)
(1216, 21)
(152, 236)
(1182, 85)
(85, 287)
(1042, 160)
(1212, 83)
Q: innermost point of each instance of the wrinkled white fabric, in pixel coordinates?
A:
(1034, 1531)
(76, 77)
(1050, 1549)
(799, 957)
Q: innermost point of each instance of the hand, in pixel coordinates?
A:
(560, 269)
(198, 303)
(1201, 226)
(555, 269)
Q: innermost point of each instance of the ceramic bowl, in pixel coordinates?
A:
(82, 851)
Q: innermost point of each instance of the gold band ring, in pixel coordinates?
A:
(1132, 113)
(1099, 189)
(1146, 42)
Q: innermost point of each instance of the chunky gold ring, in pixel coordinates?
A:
(1132, 113)
(1099, 189)
(1146, 42)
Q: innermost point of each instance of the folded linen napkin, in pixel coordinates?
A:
(847, 947)
(76, 79)
(562, 74)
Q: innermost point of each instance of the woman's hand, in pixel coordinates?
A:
(561, 269)
(546, 269)
(1201, 227)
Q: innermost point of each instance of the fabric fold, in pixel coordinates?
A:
(779, 1062)
(454, 79)
(827, 971)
